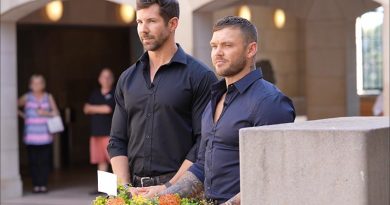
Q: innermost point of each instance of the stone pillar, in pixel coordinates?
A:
(183, 33)
(203, 21)
(11, 185)
(331, 161)
(325, 61)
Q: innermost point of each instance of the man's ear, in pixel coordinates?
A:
(252, 50)
(173, 23)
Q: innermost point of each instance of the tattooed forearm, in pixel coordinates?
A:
(236, 200)
(187, 186)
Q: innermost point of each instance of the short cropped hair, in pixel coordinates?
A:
(38, 76)
(168, 8)
(246, 27)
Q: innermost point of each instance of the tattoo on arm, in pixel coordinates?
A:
(187, 186)
(236, 200)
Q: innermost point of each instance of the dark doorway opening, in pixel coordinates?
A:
(70, 58)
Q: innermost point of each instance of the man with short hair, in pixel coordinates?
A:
(155, 132)
(242, 99)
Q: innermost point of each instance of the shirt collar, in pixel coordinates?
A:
(241, 85)
(179, 57)
(219, 86)
(247, 80)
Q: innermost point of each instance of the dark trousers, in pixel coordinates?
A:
(39, 157)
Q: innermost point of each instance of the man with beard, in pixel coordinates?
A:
(155, 131)
(242, 99)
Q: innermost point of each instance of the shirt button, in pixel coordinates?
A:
(149, 114)
(147, 136)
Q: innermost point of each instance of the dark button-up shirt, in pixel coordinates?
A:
(157, 124)
(249, 102)
(101, 123)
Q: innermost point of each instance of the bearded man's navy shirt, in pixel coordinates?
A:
(249, 102)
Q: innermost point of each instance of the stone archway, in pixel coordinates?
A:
(11, 12)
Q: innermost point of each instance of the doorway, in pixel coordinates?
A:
(70, 58)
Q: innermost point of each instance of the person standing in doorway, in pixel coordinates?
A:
(100, 107)
(38, 107)
(160, 99)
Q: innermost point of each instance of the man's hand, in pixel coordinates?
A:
(134, 191)
(86, 108)
(152, 191)
(187, 186)
(42, 112)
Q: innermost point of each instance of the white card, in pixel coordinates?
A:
(107, 183)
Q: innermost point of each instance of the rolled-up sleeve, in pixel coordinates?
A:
(201, 99)
(119, 138)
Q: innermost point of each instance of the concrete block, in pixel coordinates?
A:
(332, 161)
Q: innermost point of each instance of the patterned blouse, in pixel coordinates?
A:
(35, 129)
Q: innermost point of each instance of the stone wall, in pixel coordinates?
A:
(331, 161)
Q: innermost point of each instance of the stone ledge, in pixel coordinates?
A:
(342, 123)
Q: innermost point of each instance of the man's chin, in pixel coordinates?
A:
(150, 48)
(226, 73)
(221, 72)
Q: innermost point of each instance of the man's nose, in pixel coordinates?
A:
(143, 28)
(218, 51)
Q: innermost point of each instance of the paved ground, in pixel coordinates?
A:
(66, 187)
(69, 196)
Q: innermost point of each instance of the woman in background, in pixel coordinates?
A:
(100, 107)
(38, 107)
